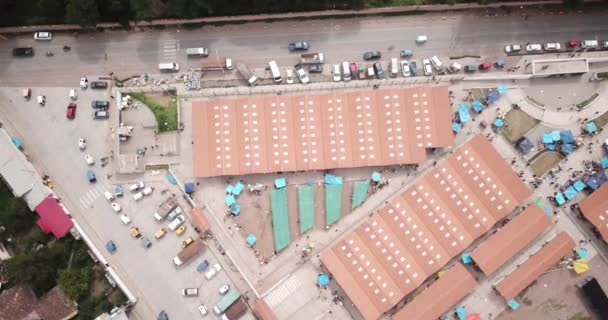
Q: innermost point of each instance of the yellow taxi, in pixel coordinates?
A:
(160, 233)
(187, 242)
(135, 232)
(180, 230)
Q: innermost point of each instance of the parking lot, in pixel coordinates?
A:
(47, 134)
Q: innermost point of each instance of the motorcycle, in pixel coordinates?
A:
(49, 54)
(66, 48)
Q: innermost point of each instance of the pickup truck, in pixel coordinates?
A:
(312, 58)
(98, 84)
(23, 52)
(99, 104)
(298, 46)
(189, 252)
(248, 75)
(213, 271)
(165, 208)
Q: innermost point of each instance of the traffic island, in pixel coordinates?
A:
(543, 161)
(164, 107)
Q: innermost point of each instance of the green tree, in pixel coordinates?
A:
(15, 216)
(35, 269)
(142, 9)
(82, 12)
(75, 282)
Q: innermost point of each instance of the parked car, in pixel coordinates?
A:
(99, 84)
(428, 70)
(89, 159)
(470, 68)
(354, 72)
(213, 271)
(180, 230)
(573, 43)
(23, 52)
(146, 242)
(406, 53)
(187, 292)
(361, 70)
(485, 66)
(370, 71)
(174, 213)
(589, 44)
(160, 233)
(84, 83)
(535, 47)
(372, 55)
(135, 232)
(71, 112)
(178, 221)
(73, 94)
(100, 104)
(101, 114)
(405, 68)
(91, 176)
(109, 196)
(315, 68)
(289, 76)
(413, 68)
(137, 186)
(224, 289)
(82, 144)
(43, 36)
(186, 242)
(512, 48)
(553, 46)
(301, 74)
(421, 38)
(110, 246)
(125, 219)
(378, 70)
(116, 207)
(299, 46)
(604, 44)
(202, 309)
(337, 73)
(202, 266)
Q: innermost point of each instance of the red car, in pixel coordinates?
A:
(71, 113)
(573, 43)
(485, 66)
(354, 71)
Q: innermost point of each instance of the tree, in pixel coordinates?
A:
(82, 12)
(75, 282)
(35, 269)
(15, 216)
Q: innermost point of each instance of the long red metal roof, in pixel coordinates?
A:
(345, 129)
(420, 230)
(595, 209)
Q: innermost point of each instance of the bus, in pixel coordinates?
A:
(276, 73)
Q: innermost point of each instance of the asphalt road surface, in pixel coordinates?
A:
(127, 53)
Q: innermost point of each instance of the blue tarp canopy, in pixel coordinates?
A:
(525, 145)
(551, 146)
(501, 89)
(17, 142)
(513, 304)
(596, 180)
(567, 136)
(570, 193)
(559, 198)
(582, 253)
(463, 112)
(171, 178)
(251, 239)
(331, 179)
(235, 209)
(323, 280)
(579, 185)
(477, 105)
(547, 138)
(590, 127)
(238, 188)
(456, 127)
(189, 187)
(604, 162)
(229, 189)
(461, 313)
(376, 176)
(556, 136)
(492, 97)
(230, 200)
(499, 122)
(567, 148)
(466, 258)
(280, 183)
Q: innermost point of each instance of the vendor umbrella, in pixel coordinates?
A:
(376, 176)
(580, 266)
(323, 280)
(456, 127)
(463, 112)
(501, 89)
(499, 122)
(251, 239)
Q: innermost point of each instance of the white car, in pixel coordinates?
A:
(138, 196)
(552, 46)
(535, 47)
(337, 73)
(213, 271)
(84, 83)
(289, 77)
(224, 289)
(82, 144)
(89, 159)
(137, 186)
(428, 70)
(73, 94)
(116, 207)
(512, 48)
(125, 219)
(229, 65)
(43, 36)
(178, 221)
(405, 68)
(108, 195)
(190, 292)
(302, 75)
(421, 39)
(202, 309)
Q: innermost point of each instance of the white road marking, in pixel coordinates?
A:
(282, 292)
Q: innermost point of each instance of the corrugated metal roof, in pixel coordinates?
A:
(421, 229)
(263, 311)
(595, 209)
(14, 167)
(345, 129)
(509, 240)
(440, 296)
(526, 273)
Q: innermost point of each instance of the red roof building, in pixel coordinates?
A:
(416, 233)
(595, 209)
(53, 218)
(343, 129)
(263, 311)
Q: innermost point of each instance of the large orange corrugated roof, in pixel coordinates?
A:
(263, 134)
(595, 209)
(420, 230)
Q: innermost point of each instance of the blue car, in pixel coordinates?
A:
(202, 266)
(163, 315)
(111, 246)
(91, 176)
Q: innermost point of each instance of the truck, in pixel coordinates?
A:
(248, 75)
(197, 52)
(164, 208)
(216, 64)
(190, 251)
(227, 300)
(236, 310)
(312, 58)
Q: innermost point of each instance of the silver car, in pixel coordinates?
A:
(178, 221)
(428, 70)
(187, 292)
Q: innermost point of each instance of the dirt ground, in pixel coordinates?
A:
(518, 123)
(545, 162)
(554, 296)
(256, 216)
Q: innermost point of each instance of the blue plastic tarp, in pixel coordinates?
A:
(492, 97)
(189, 187)
(551, 146)
(17, 142)
(570, 193)
(567, 148)
(171, 178)
(323, 280)
(235, 209)
(547, 138)
(238, 188)
(280, 183)
(596, 180)
(559, 198)
(376, 176)
(230, 200)
(463, 112)
(582, 253)
(513, 304)
(461, 313)
(556, 135)
(251, 239)
(501, 89)
(456, 127)
(604, 162)
(331, 179)
(590, 127)
(466, 258)
(477, 105)
(567, 136)
(499, 122)
(579, 185)
(229, 189)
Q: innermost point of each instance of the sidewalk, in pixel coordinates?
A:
(292, 15)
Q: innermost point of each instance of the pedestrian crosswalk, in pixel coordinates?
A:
(87, 199)
(282, 291)
(169, 50)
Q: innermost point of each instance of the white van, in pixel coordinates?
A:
(436, 63)
(197, 52)
(345, 71)
(147, 191)
(138, 196)
(394, 68)
(589, 44)
(276, 73)
(168, 67)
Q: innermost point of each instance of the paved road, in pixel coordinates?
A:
(255, 44)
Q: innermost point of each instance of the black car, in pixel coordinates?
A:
(299, 46)
(23, 52)
(378, 70)
(372, 55)
(99, 104)
(315, 68)
(98, 84)
(413, 67)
